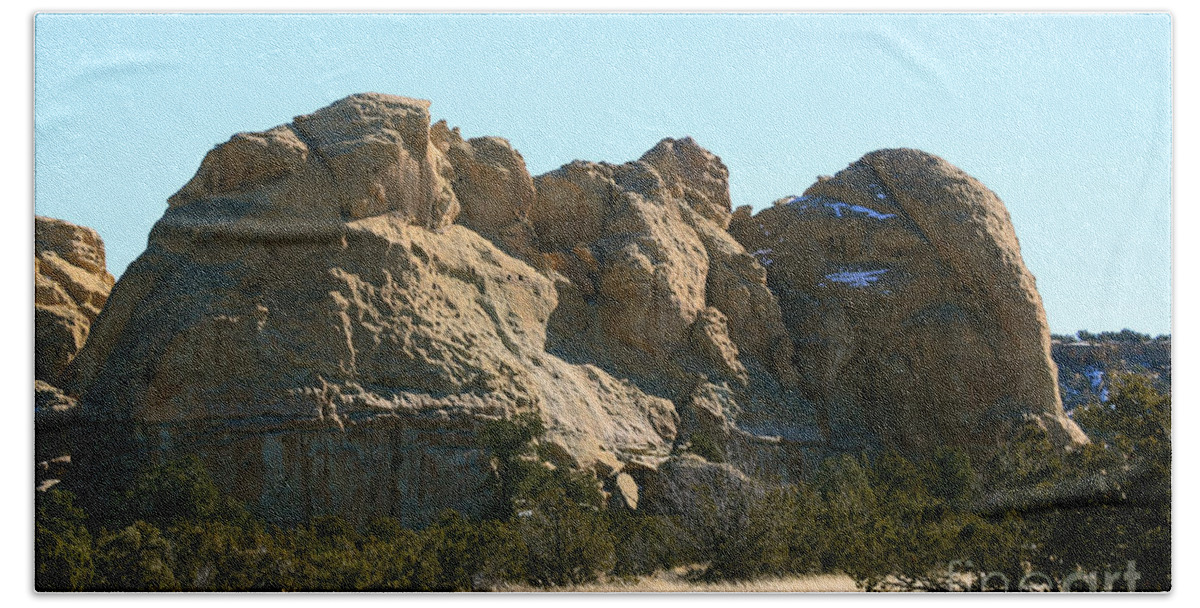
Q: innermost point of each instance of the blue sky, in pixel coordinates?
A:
(1066, 116)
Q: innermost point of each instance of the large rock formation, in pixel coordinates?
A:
(330, 311)
(915, 321)
(309, 320)
(493, 188)
(653, 288)
(71, 285)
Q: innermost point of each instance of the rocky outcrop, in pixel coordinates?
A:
(915, 321)
(709, 500)
(653, 288)
(71, 285)
(55, 424)
(645, 269)
(308, 320)
(493, 188)
(330, 312)
(363, 156)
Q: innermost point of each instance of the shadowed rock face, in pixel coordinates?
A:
(915, 321)
(330, 310)
(71, 285)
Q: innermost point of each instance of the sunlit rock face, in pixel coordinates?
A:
(331, 311)
(71, 285)
(915, 321)
(653, 288)
(308, 319)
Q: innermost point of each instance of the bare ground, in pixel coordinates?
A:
(677, 581)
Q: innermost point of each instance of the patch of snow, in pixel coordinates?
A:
(1096, 377)
(802, 203)
(871, 212)
(763, 256)
(856, 278)
(877, 190)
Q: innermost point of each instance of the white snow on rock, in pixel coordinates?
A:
(1096, 377)
(764, 256)
(856, 278)
(877, 190)
(802, 203)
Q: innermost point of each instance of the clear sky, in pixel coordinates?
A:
(1066, 116)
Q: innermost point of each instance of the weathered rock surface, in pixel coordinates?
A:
(56, 417)
(330, 311)
(653, 288)
(71, 285)
(363, 156)
(706, 498)
(493, 188)
(915, 321)
(327, 346)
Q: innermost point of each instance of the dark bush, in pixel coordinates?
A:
(136, 558)
(62, 544)
(887, 520)
(179, 490)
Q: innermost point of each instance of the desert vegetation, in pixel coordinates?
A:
(852, 383)
(885, 521)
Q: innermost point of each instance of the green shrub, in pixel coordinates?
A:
(63, 549)
(221, 556)
(753, 544)
(643, 544)
(1131, 448)
(568, 542)
(707, 447)
(136, 558)
(179, 490)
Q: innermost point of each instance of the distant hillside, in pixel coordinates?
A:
(1086, 361)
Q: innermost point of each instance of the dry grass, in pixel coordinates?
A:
(677, 581)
